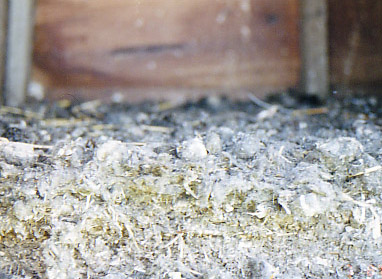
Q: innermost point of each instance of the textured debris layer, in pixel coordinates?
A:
(206, 190)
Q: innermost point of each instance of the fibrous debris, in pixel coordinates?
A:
(204, 190)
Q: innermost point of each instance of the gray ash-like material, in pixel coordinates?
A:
(207, 190)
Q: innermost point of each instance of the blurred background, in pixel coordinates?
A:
(133, 50)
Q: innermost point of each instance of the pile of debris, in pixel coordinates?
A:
(213, 189)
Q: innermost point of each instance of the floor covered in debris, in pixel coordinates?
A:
(288, 188)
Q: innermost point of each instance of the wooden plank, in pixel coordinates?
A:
(19, 50)
(3, 35)
(204, 44)
(314, 47)
(356, 45)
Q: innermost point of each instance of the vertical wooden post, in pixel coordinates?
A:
(19, 50)
(314, 47)
(3, 36)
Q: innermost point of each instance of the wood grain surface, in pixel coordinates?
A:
(355, 37)
(202, 44)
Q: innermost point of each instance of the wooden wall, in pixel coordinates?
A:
(355, 41)
(147, 47)
(198, 44)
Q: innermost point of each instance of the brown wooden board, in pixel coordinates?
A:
(355, 41)
(200, 44)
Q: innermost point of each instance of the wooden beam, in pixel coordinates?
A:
(314, 47)
(3, 35)
(19, 50)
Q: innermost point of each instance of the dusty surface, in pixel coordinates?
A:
(207, 190)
